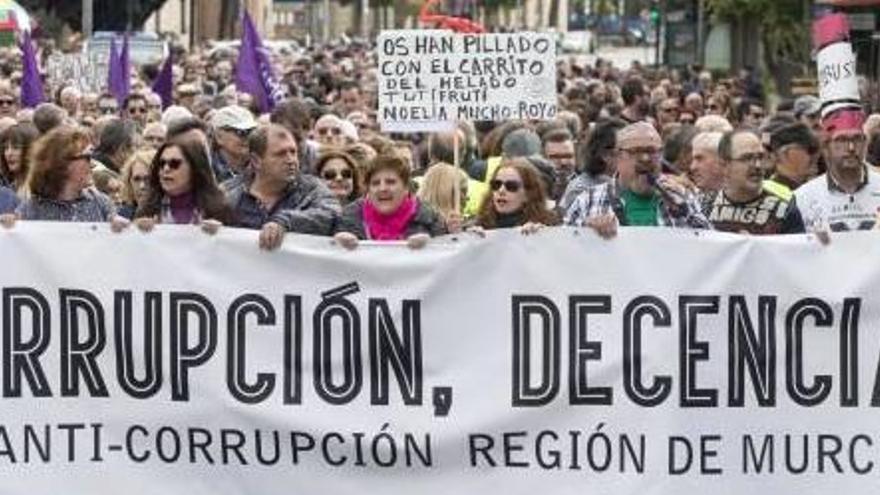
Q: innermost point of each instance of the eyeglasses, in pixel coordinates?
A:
(107, 110)
(669, 109)
(323, 131)
(328, 174)
(7, 102)
(854, 140)
(137, 110)
(652, 153)
(242, 133)
(172, 163)
(751, 158)
(510, 185)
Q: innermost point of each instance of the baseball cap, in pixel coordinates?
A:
(235, 117)
(807, 105)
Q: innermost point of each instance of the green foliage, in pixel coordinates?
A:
(783, 31)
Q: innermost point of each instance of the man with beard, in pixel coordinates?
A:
(847, 197)
(742, 204)
(273, 196)
(640, 195)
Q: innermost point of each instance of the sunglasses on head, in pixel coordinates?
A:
(510, 185)
(335, 174)
(172, 163)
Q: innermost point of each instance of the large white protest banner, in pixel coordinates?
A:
(661, 362)
(429, 78)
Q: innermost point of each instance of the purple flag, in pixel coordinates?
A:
(31, 85)
(253, 72)
(164, 83)
(119, 76)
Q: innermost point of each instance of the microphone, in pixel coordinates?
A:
(672, 199)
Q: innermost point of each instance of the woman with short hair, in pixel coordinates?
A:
(388, 212)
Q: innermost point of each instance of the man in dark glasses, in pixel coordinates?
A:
(134, 108)
(230, 128)
(273, 196)
(8, 103)
(107, 105)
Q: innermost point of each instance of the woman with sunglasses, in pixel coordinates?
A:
(389, 212)
(58, 185)
(182, 190)
(518, 199)
(340, 173)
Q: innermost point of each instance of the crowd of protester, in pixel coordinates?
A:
(629, 147)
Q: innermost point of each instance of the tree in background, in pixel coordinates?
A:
(784, 30)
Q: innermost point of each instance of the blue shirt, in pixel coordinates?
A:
(8, 200)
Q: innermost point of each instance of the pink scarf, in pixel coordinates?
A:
(389, 227)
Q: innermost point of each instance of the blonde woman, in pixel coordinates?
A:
(438, 190)
(135, 182)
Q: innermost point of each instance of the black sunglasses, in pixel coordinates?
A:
(511, 185)
(333, 174)
(242, 133)
(7, 102)
(172, 163)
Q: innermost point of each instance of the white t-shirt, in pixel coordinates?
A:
(825, 206)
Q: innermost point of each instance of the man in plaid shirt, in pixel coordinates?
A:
(639, 195)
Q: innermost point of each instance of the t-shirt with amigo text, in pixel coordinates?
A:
(765, 215)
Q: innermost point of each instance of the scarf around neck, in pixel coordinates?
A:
(390, 227)
(183, 208)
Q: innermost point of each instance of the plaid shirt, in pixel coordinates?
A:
(606, 198)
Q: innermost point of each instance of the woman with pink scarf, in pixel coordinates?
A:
(389, 212)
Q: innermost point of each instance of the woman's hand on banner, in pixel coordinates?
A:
(347, 240)
(531, 228)
(7, 220)
(417, 241)
(211, 226)
(145, 224)
(119, 223)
